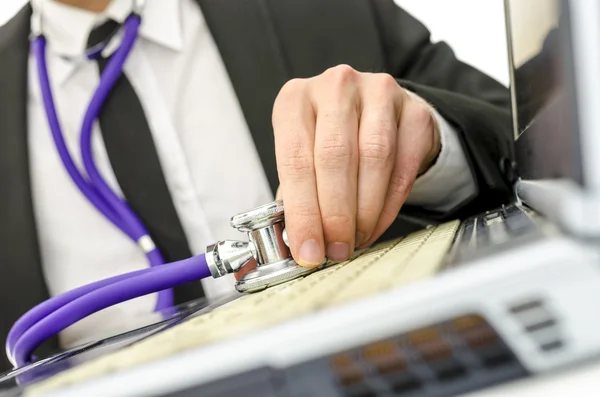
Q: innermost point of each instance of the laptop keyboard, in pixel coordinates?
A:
(493, 231)
(388, 265)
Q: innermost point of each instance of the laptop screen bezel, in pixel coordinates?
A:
(580, 57)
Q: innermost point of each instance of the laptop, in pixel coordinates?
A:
(453, 308)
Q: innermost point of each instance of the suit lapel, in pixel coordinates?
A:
(22, 285)
(249, 47)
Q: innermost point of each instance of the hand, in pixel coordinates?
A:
(349, 147)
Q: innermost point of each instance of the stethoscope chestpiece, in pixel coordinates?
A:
(267, 245)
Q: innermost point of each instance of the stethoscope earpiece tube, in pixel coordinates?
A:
(39, 49)
(107, 81)
(97, 190)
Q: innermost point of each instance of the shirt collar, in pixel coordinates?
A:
(67, 28)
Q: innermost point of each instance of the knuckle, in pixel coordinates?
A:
(400, 184)
(339, 222)
(289, 96)
(291, 90)
(366, 218)
(386, 83)
(422, 116)
(341, 74)
(377, 148)
(302, 219)
(293, 86)
(295, 160)
(333, 153)
(303, 212)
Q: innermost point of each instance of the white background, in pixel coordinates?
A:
(8, 8)
(474, 28)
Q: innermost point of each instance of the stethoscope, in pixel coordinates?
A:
(267, 243)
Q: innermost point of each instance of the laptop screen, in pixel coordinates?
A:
(542, 89)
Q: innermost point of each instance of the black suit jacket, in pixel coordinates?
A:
(264, 43)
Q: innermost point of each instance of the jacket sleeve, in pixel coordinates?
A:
(476, 105)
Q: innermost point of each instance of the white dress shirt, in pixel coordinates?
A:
(206, 150)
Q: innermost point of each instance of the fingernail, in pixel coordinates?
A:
(310, 253)
(338, 252)
(359, 239)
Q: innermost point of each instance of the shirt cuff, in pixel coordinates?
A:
(449, 182)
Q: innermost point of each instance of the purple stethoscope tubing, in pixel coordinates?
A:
(42, 310)
(97, 190)
(118, 290)
(56, 314)
(107, 81)
(39, 49)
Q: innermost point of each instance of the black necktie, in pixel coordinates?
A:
(136, 165)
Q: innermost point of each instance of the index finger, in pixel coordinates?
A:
(294, 126)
